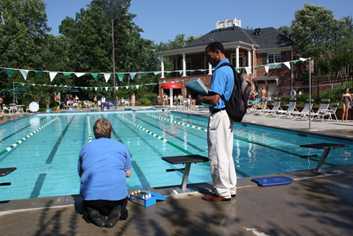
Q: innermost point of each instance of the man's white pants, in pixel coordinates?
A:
(220, 153)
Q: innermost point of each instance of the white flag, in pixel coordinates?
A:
(287, 64)
(106, 89)
(52, 75)
(24, 74)
(267, 68)
(79, 74)
(106, 76)
(248, 70)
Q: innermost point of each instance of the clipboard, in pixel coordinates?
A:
(197, 86)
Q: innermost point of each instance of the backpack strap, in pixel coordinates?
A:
(236, 81)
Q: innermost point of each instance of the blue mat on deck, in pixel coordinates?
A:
(272, 181)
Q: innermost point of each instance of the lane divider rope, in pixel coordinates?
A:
(180, 123)
(25, 138)
(147, 131)
(90, 137)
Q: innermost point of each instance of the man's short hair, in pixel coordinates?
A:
(102, 128)
(214, 47)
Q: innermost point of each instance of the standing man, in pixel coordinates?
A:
(220, 131)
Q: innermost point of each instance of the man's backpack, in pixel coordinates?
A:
(237, 104)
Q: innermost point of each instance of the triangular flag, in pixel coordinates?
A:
(127, 87)
(132, 75)
(67, 74)
(267, 68)
(120, 76)
(52, 75)
(248, 70)
(10, 73)
(117, 88)
(95, 76)
(180, 72)
(95, 88)
(24, 74)
(157, 73)
(106, 89)
(106, 76)
(137, 86)
(287, 64)
(79, 74)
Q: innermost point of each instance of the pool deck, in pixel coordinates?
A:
(332, 128)
(311, 205)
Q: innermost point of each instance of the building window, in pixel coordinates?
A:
(233, 58)
(273, 58)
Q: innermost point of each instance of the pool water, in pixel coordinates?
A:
(47, 147)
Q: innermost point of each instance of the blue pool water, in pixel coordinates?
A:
(46, 161)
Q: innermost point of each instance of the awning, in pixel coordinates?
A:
(173, 85)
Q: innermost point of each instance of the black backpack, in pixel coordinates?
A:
(237, 104)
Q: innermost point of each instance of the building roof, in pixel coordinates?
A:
(262, 37)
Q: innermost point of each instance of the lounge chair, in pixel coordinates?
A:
(304, 112)
(276, 107)
(323, 109)
(330, 112)
(290, 109)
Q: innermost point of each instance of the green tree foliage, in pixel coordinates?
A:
(23, 33)
(317, 34)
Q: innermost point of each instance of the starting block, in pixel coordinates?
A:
(145, 198)
(187, 161)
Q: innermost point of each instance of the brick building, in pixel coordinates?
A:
(246, 48)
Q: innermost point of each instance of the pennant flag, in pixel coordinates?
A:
(180, 72)
(157, 72)
(79, 74)
(24, 74)
(132, 75)
(95, 76)
(267, 68)
(117, 88)
(137, 86)
(120, 76)
(95, 88)
(287, 64)
(10, 73)
(106, 76)
(52, 75)
(275, 65)
(127, 87)
(248, 70)
(67, 74)
(106, 89)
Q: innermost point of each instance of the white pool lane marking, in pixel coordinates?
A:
(26, 137)
(147, 131)
(90, 137)
(180, 123)
(10, 212)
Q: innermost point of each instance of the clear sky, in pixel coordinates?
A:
(161, 20)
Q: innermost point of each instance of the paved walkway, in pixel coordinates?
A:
(310, 206)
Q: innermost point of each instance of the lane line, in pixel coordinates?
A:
(58, 142)
(38, 185)
(25, 138)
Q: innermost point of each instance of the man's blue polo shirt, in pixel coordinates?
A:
(102, 166)
(222, 83)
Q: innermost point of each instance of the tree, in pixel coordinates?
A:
(23, 34)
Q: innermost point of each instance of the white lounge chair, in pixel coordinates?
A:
(287, 113)
(304, 112)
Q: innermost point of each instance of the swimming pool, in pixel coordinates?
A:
(44, 148)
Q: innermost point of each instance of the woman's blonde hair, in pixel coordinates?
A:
(102, 128)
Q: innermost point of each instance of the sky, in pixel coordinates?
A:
(162, 20)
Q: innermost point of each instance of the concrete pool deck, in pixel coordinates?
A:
(312, 205)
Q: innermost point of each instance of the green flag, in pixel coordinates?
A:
(95, 76)
(120, 76)
(10, 73)
(67, 74)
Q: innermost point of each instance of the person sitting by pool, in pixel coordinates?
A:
(103, 167)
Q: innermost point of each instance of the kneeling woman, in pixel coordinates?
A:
(104, 165)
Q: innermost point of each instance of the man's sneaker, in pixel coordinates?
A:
(113, 217)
